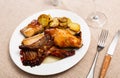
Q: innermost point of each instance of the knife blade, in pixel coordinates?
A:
(109, 54)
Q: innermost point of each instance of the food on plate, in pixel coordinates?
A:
(31, 29)
(33, 58)
(30, 40)
(61, 53)
(63, 19)
(34, 54)
(63, 22)
(74, 26)
(44, 19)
(70, 31)
(47, 36)
(54, 22)
(63, 38)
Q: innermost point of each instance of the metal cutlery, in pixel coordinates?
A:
(100, 46)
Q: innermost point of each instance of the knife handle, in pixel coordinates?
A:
(105, 65)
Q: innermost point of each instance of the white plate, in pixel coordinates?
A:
(55, 67)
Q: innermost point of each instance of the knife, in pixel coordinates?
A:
(109, 54)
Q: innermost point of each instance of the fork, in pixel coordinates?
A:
(100, 46)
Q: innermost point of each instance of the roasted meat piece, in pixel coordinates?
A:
(45, 42)
(31, 40)
(35, 53)
(61, 53)
(31, 29)
(52, 43)
(63, 38)
(32, 58)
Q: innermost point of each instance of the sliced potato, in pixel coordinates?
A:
(71, 32)
(64, 22)
(54, 22)
(74, 26)
(44, 19)
(64, 25)
(69, 21)
(63, 19)
(50, 17)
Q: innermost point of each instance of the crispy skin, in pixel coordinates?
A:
(60, 53)
(63, 38)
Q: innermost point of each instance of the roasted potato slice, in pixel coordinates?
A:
(44, 19)
(63, 25)
(54, 22)
(69, 21)
(71, 31)
(74, 26)
(63, 19)
(63, 22)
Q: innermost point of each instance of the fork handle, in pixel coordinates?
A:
(91, 72)
(105, 65)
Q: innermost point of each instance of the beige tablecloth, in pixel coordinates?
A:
(13, 12)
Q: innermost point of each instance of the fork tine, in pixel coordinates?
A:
(103, 37)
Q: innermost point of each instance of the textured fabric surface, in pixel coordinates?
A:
(13, 12)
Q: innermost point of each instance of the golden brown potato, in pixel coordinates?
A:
(50, 17)
(63, 22)
(54, 22)
(44, 19)
(74, 26)
(71, 32)
(63, 25)
(63, 19)
(69, 21)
